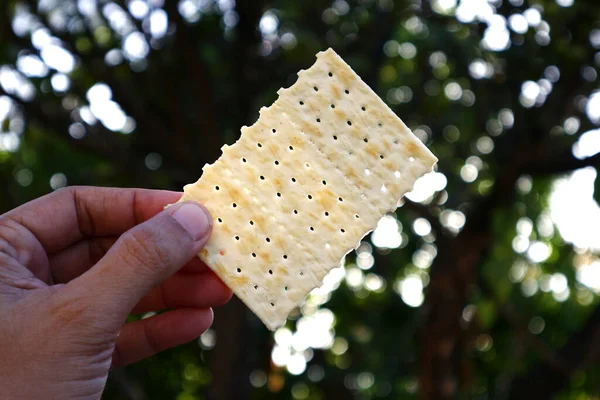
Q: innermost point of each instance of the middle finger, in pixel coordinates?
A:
(197, 290)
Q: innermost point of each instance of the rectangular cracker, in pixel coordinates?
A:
(302, 187)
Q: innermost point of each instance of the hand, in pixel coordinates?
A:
(74, 264)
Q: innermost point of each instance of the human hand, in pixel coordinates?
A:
(74, 264)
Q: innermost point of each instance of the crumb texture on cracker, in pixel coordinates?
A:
(303, 186)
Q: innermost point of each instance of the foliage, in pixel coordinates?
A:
(148, 91)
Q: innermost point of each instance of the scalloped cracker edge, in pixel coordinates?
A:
(302, 187)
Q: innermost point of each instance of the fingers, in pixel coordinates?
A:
(195, 265)
(144, 338)
(186, 290)
(64, 217)
(73, 261)
(144, 257)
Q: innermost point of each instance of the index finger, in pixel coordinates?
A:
(66, 216)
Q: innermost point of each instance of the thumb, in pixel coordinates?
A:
(146, 255)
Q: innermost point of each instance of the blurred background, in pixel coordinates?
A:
(483, 284)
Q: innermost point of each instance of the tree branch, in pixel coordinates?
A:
(232, 363)
(542, 349)
(202, 93)
(561, 163)
(379, 32)
(546, 379)
(508, 312)
(453, 276)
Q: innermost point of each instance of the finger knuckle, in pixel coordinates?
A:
(98, 248)
(8, 235)
(85, 219)
(66, 190)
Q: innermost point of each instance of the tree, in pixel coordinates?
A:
(144, 93)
